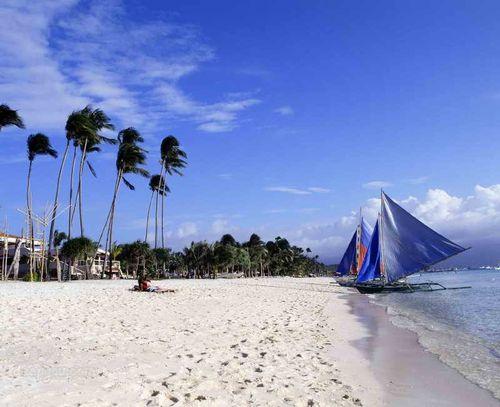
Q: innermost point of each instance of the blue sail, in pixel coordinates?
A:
(349, 258)
(366, 232)
(407, 245)
(371, 264)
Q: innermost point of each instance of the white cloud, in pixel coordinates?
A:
(220, 226)
(464, 218)
(377, 184)
(308, 210)
(30, 77)
(418, 180)
(212, 118)
(289, 190)
(14, 159)
(58, 55)
(284, 110)
(274, 211)
(298, 191)
(319, 190)
(187, 229)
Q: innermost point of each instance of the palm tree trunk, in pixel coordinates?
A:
(149, 211)
(156, 220)
(80, 185)
(70, 215)
(105, 262)
(56, 202)
(156, 205)
(58, 265)
(30, 218)
(115, 191)
(111, 220)
(162, 223)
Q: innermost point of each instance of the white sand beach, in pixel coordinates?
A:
(239, 342)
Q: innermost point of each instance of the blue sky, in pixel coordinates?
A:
(293, 113)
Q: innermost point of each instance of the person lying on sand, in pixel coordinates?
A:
(145, 285)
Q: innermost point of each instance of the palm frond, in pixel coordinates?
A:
(130, 136)
(39, 144)
(91, 168)
(108, 140)
(128, 184)
(10, 117)
(78, 127)
(139, 171)
(100, 119)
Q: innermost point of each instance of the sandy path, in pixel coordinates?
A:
(218, 343)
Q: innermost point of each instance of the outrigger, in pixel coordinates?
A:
(400, 246)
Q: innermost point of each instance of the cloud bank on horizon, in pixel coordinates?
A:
(468, 220)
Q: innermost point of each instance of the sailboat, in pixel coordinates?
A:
(401, 245)
(354, 255)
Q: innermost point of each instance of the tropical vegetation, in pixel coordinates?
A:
(84, 135)
(223, 258)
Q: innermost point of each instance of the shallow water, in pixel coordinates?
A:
(461, 326)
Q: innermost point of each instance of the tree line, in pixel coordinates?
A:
(86, 131)
(225, 257)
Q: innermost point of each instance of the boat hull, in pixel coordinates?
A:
(382, 288)
(402, 287)
(347, 281)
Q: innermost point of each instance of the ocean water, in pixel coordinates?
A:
(462, 327)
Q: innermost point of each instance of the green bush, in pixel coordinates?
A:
(36, 277)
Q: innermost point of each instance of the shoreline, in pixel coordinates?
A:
(401, 364)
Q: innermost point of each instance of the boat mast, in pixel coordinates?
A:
(358, 242)
(381, 238)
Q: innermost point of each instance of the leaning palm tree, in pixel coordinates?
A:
(86, 140)
(9, 117)
(76, 124)
(156, 184)
(78, 127)
(172, 162)
(130, 158)
(128, 161)
(38, 144)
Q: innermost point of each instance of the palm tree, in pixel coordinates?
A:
(228, 240)
(88, 139)
(129, 159)
(76, 124)
(78, 248)
(257, 252)
(172, 162)
(156, 185)
(78, 127)
(134, 254)
(38, 144)
(9, 117)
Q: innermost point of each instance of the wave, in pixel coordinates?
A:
(475, 358)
